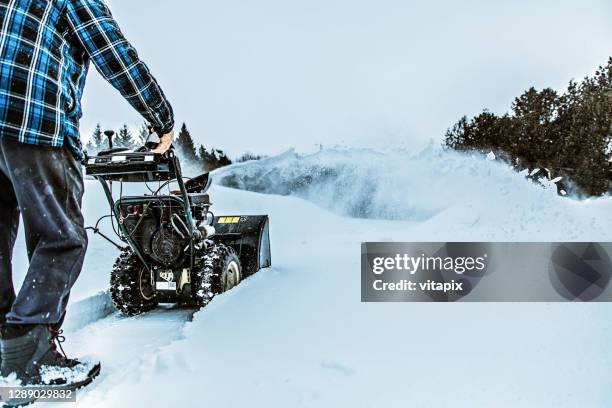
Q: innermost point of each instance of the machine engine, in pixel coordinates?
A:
(158, 226)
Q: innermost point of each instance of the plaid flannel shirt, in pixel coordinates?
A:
(45, 50)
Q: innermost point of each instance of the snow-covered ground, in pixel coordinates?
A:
(297, 334)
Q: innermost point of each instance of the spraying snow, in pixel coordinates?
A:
(454, 196)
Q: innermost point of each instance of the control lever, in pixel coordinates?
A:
(109, 134)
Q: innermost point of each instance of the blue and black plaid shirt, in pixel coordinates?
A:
(45, 50)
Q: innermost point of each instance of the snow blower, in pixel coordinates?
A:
(175, 249)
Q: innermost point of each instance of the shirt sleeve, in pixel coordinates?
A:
(117, 61)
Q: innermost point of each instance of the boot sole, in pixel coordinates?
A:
(93, 373)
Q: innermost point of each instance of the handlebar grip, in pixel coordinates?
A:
(153, 140)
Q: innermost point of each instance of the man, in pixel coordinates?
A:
(45, 50)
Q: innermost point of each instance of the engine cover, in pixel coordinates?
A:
(167, 247)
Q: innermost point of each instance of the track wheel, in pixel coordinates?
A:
(131, 290)
(217, 271)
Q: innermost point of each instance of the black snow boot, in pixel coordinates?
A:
(36, 358)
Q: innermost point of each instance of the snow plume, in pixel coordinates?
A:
(462, 195)
(189, 167)
(398, 186)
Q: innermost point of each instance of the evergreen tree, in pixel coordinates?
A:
(223, 159)
(185, 145)
(213, 159)
(203, 157)
(570, 134)
(248, 157)
(143, 135)
(124, 138)
(95, 142)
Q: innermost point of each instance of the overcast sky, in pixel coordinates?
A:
(267, 75)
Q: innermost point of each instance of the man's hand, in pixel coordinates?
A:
(164, 143)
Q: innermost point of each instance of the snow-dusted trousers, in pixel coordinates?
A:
(45, 186)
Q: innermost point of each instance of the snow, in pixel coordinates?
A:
(296, 334)
(10, 382)
(446, 195)
(52, 374)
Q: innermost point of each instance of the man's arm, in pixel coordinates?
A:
(118, 62)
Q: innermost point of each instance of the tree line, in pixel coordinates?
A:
(568, 133)
(124, 138)
(208, 159)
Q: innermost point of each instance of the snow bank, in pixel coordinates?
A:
(88, 310)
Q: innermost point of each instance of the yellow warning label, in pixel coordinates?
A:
(229, 220)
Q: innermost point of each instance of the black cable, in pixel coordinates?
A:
(167, 182)
(149, 188)
(162, 186)
(112, 214)
(120, 197)
(101, 218)
(142, 217)
(117, 233)
(97, 232)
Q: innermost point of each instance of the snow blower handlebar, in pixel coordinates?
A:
(141, 165)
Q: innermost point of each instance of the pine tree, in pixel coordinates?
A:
(185, 145)
(569, 134)
(95, 142)
(223, 159)
(124, 138)
(203, 157)
(250, 156)
(213, 160)
(143, 135)
(207, 158)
